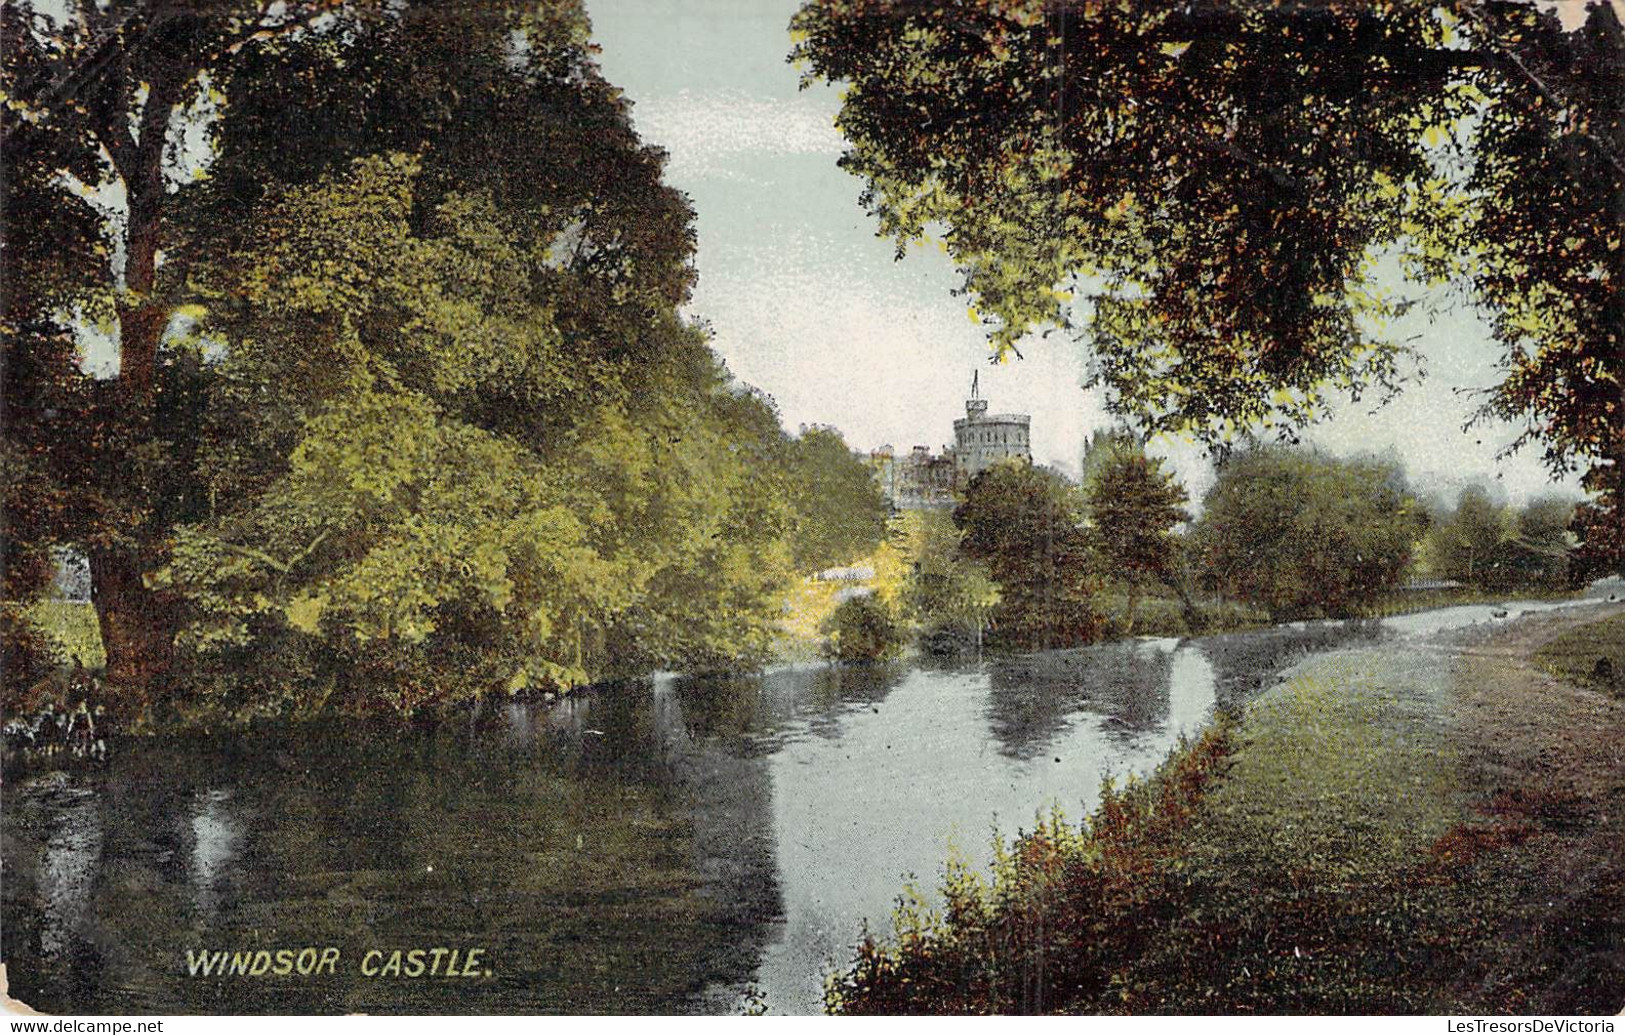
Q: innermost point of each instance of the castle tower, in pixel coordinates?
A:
(982, 440)
(975, 406)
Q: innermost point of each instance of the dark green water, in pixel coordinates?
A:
(661, 847)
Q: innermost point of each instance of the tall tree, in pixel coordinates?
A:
(1546, 241)
(1300, 534)
(1023, 522)
(459, 425)
(1468, 541)
(841, 514)
(424, 418)
(98, 97)
(1132, 507)
(1542, 543)
(1225, 179)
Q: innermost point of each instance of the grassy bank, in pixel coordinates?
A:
(1592, 655)
(1391, 604)
(1353, 844)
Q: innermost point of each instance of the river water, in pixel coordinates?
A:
(669, 846)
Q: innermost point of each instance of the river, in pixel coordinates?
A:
(671, 846)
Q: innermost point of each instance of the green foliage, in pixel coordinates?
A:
(94, 92)
(71, 627)
(1225, 180)
(1466, 543)
(1600, 525)
(1537, 554)
(1155, 153)
(427, 422)
(42, 643)
(1546, 240)
(1301, 534)
(840, 512)
(1024, 524)
(864, 629)
(1496, 548)
(402, 497)
(949, 596)
(1132, 506)
(28, 654)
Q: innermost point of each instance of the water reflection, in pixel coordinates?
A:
(656, 847)
(1192, 692)
(68, 870)
(1035, 698)
(215, 836)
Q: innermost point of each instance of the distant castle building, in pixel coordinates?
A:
(982, 440)
(922, 480)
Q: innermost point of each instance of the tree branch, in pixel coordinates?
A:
(282, 567)
(1551, 96)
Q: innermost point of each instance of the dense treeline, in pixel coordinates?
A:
(1493, 547)
(1284, 533)
(405, 411)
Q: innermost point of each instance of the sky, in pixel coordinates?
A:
(807, 304)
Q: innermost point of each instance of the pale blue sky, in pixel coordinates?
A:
(808, 305)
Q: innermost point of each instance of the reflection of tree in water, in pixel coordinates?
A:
(1032, 698)
(731, 707)
(842, 689)
(67, 872)
(596, 882)
(750, 711)
(52, 850)
(216, 842)
(1245, 664)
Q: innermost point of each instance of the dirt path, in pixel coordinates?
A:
(1427, 825)
(1545, 762)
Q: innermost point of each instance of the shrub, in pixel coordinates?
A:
(863, 629)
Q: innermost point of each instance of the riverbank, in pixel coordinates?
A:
(805, 627)
(1424, 826)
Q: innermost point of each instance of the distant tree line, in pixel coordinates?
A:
(1285, 532)
(1495, 547)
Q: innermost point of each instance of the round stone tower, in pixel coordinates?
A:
(982, 439)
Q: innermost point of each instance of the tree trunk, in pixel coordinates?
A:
(1195, 620)
(137, 624)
